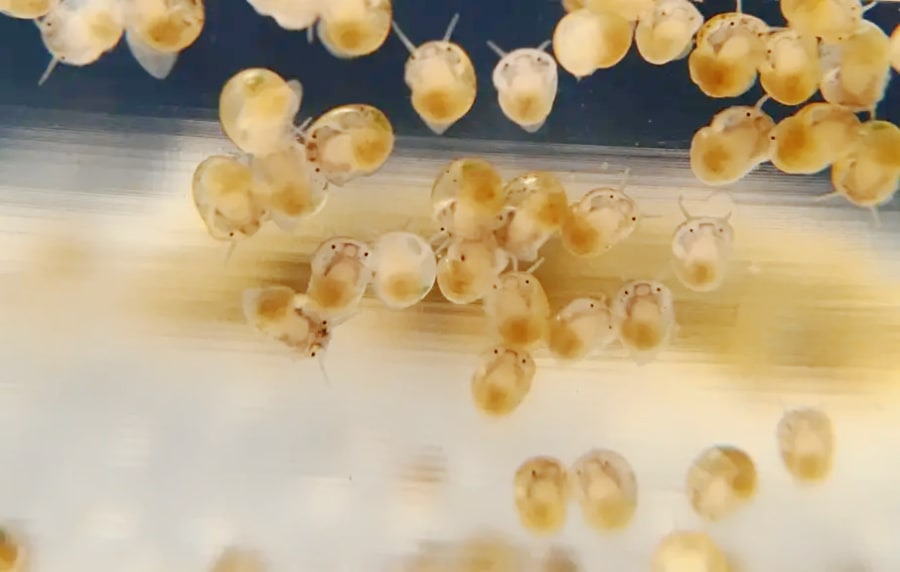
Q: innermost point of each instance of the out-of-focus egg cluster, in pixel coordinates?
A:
(490, 232)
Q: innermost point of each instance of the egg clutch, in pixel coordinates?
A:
(827, 47)
(489, 232)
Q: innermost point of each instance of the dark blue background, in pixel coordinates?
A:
(633, 104)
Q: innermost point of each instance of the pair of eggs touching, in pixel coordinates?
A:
(602, 482)
(257, 109)
(79, 32)
(597, 34)
(864, 157)
(443, 84)
(346, 28)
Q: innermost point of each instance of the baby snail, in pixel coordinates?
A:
(289, 14)
(701, 250)
(501, 380)
(600, 220)
(222, 190)
(467, 197)
(806, 444)
(441, 79)
(341, 270)
(405, 269)
(27, 9)
(856, 68)
(541, 487)
(813, 138)
(354, 28)
(825, 19)
(536, 207)
(869, 175)
(526, 81)
(257, 108)
(349, 141)
(587, 40)
(895, 49)
(790, 72)
(288, 186)
(77, 33)
(13, 556)
(643, 315)
(579, 327)
(239, 560)
(689, 552)
(468, 268)
(720, 481)
(606, 488)
(158, 30)
(730, 48)
(666, 32)
(736, 141)
(274, 311)
(517, 309)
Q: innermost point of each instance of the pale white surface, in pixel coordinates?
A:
(131, 440)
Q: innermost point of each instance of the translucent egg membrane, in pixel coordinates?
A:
(144, 426)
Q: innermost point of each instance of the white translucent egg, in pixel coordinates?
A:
(405, 269)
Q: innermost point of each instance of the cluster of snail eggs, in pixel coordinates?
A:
(601, 481)
(719, 482)
(79, 32)
(282, 173)
(488, 228)
(827, 48)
